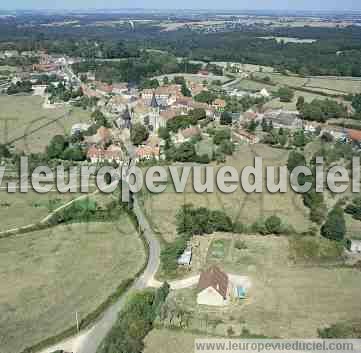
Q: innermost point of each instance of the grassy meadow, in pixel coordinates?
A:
(21, 209)
(53, 273)
(161, 208)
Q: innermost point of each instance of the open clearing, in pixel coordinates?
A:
(25, 114)
(247, 208)
(291, 40)
(286, 299)
(51, 274)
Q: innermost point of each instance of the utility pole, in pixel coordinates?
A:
(77, 321)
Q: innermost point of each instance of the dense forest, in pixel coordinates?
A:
(336, 51)
(136, 69)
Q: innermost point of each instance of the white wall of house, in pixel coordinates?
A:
(209, 296)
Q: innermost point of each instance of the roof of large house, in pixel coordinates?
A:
(170, 113)
(163, 90)
(220, 103)
(191, 131)
(104, 133)
(214, 278)
(144, 151)
(112, 152)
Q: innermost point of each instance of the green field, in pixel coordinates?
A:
(286, 299)
(29, 121)
(247, 208)
(48, 275)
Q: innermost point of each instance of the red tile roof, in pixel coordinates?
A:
(214, 278)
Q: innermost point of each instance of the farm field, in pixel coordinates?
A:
(329, 85)
(26, 114)
(337, 85)
(161, 208)
(286, 299)
(53, 273)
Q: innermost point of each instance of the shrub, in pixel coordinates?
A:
(273, 225)
(335, 225)
(240, 245)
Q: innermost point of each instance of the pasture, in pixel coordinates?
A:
(23, 118)
(21, 209)
(161, 208)
(49, 275)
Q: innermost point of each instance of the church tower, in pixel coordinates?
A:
(155, 113)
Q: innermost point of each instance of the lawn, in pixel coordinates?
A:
(286, 299)
(29, 121)
(49, 275)
(247, 208)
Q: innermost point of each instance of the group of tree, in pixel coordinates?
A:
(135, 321)
(322, 110)
(226, 118)
(335, 226)
(138, 134)
(275, 137)
(60, 148)
(20, 87)
(198, 221)
(205, 97)
(323, 57)
(137, 70)
(285, 94)
(62, 93)
(182, 122)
